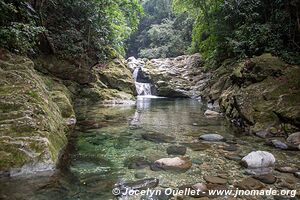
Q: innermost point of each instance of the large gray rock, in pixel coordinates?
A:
(259, 162)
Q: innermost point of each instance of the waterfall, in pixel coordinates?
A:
(136, 73)
(141, 88)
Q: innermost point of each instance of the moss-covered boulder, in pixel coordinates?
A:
(114, 84)
(34, 112)
(261, 93)
(64, 69)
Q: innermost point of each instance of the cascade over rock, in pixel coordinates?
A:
(170, 77)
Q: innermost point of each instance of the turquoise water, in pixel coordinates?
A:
(107, 138)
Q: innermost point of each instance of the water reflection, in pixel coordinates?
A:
(106, 138)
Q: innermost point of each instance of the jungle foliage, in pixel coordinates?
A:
(160, 34)
(243, 28)
(72, 29)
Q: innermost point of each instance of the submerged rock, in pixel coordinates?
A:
(287, 169)
(250, 184)
(197, 146)
(266, 178)
(259, 162)
(176, 150)
(136, 163)
(279, 144)
(263, 134)
(215, 180)
(212, 137)
(211, 114)
(173, 164)
(158, 137)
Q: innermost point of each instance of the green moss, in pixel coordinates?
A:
(32, 121)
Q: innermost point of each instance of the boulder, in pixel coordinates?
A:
(212, 137)
(173, 164)
(279, 144)
(259, 159)
(294, 138)
(258, 162)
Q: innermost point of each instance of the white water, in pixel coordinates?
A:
(141, 88)
(135, 73)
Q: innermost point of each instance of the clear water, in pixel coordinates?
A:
(107, 136)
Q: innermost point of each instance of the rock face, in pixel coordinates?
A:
(34, 113)
(260, 96)
(113, 84)
(259, 162)
(175, 164)
(173, 77)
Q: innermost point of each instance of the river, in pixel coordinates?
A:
(107, 140)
